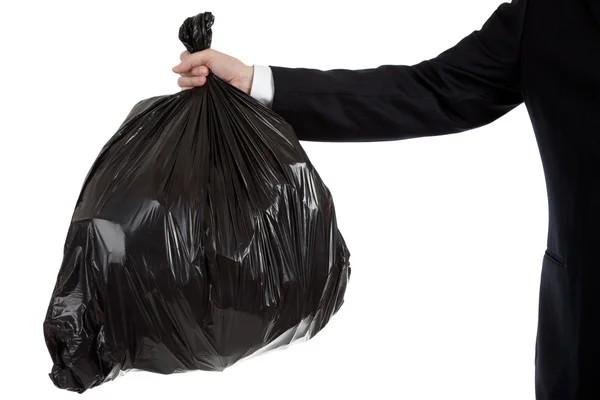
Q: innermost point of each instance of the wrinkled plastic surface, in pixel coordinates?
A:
(202, 235)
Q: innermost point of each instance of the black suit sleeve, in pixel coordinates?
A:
(468, 86)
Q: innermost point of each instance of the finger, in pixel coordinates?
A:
(189, 61)
(191, 81)
(196, 71)
(179, 67)
(200, 71)
(184, 55)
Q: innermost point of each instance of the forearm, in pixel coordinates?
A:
(465, 87)
(384, 103)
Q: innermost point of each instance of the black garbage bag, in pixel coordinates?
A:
(202, 235)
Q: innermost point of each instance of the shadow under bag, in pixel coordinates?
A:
(202, 235)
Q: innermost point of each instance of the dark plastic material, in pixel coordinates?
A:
(202, 235)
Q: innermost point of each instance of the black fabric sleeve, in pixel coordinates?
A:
(467, 86)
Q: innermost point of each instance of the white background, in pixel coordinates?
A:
(446, 234)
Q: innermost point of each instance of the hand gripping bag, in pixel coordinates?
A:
(202, 235)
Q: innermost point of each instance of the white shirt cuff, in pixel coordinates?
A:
(263, 87)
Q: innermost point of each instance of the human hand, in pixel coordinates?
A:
(194, 68)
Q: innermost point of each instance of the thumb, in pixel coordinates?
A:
(189, 61)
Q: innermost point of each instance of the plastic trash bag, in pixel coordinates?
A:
(202, 235)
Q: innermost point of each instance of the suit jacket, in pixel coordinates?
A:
(546, 54)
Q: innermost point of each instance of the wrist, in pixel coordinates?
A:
(248, 79)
